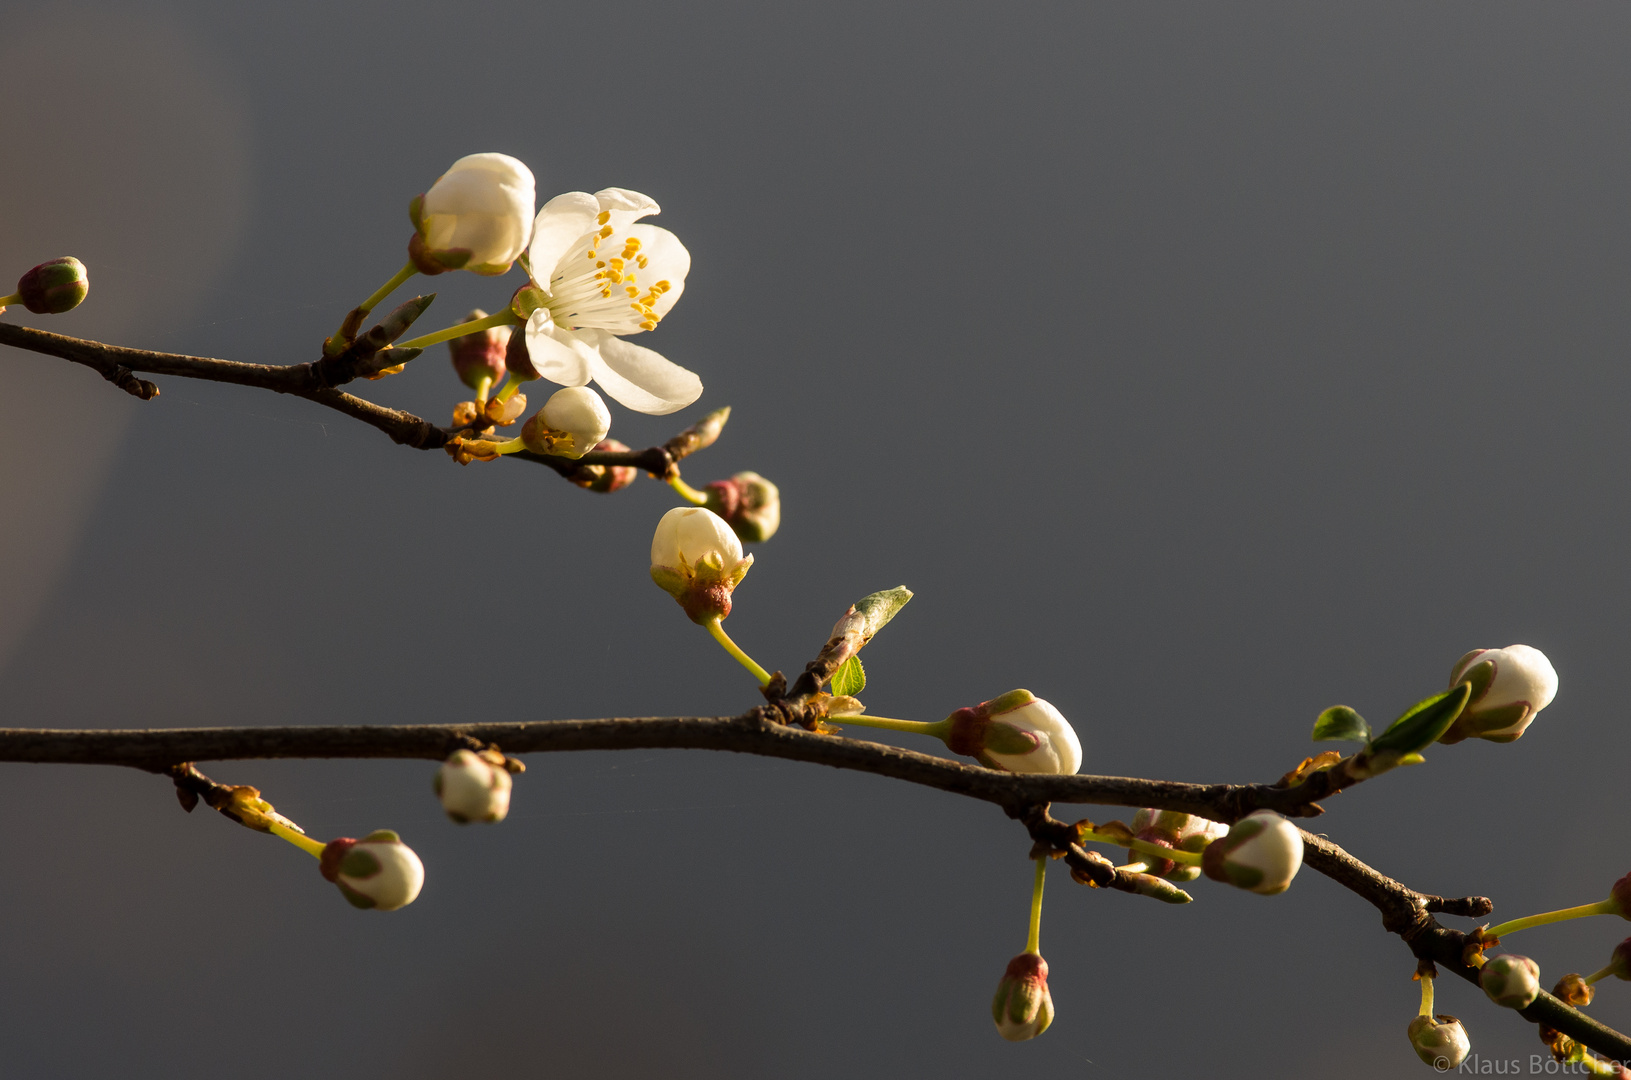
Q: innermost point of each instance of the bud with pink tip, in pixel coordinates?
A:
(1511, 980)
(54, 287)
(1017, 732)
(1023, 1008)
(479, 358)
(698, 560)
(749, 503)
(1261, 853)
(379, 871)
(474, 787)
(1509, 686)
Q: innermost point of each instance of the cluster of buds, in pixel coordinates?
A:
(697, 559)
(1261, 853)
(1509, 686)
(1172, 829)
(378, 872)
(51, 288)
(749, 504)
(1023, 1007)
(474, 786)
(1017, 732)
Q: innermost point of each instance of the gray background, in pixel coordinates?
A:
(1200, 366)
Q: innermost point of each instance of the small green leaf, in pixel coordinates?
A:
(1423, 723)
(1340, 724)
(849, 679)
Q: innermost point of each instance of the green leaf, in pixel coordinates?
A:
(1340, 724)
(1423, 723)
(850, 678)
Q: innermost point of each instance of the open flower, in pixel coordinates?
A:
(601, 277)
(477, 216)
(697, 559)
(1509, 686)
(1017, 732)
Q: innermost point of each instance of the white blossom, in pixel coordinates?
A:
(570, 424)
(1509, 686)
(477, 216)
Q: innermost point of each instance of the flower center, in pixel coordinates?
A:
(597, 285)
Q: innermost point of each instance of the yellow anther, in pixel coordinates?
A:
(605, 294)
(648, 326)
(633, 242)
(607, 231)
(601, 265)
(605, 216)
(662, 286)
(617, 263)
(631, 290)
(642, 261)
(613, 276)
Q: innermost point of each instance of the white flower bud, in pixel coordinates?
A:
(569, 425)
(1509, 686)
(473, 788)
(1023, 1007)
(698, 560)
(477, 216)
(1511, 980)
(1017, 732)
(1261, 853)
(379, 871)
(1440, 1041)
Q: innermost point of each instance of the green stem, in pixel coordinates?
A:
(14, 298)
(917, 727)
(718, 631)
(1591, 980)
(1602, 907)
(687, 492)
(408, 270)
(512, 383)
(483, 384)
(1033, 939)
(476, 326)
(1144, 847)
(305, 843)
(1426, 996)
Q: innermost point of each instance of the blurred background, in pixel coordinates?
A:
(1198, 366)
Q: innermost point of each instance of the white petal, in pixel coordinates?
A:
(560, 224)
(666, 260)
(484, 204)
(625, 207)
(558, 355)
(639, 378)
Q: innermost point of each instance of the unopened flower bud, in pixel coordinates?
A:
(517, 360)
(569, 425)
(1023, 1008)
(606, 478)
(474, 787)
(1440, 1041)
(698, 560)
(1509, 686)
(1261, 853)
(379, 871)
(749, 503)
(479, 358)
(1511, 980)
(477, 216)
(1170, 828)
(1017, 732)
(54, 287)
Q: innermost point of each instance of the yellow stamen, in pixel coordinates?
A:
(605, 216)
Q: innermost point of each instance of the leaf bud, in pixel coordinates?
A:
(606, 478)
(749, 503)
(1261, 853)
(1017, 732)
(479, 358)
(1440, 1041)
(379, 871)
(54, 287)
(1023, 1008)
(698, 560)
(1509, 686)
(1511, 980)
(699, 436)
(569, 425)
(474, 787)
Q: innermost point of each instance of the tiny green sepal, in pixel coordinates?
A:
(1423, 723)
(1340, 724)
(850, 678)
